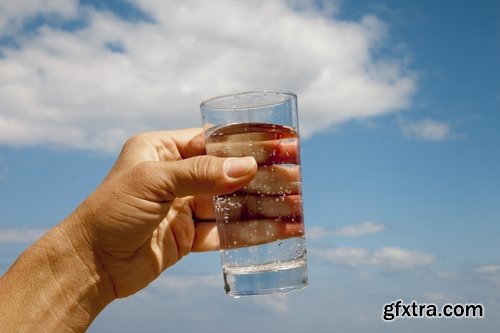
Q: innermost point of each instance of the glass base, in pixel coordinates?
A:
(265, 279)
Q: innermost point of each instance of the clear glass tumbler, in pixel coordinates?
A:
(261, 226)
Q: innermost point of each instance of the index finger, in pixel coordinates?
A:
(187, 142)
(160, 146)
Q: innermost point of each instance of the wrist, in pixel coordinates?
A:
(82, 277)
(57, 284)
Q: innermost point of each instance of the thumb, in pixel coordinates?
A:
(198, 175)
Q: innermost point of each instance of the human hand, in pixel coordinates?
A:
(155, 206)
(141, 219)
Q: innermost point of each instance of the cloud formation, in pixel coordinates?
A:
(89, 78)
(488, 270)
(427, 129)
(388, 258)
(274, 302)
(186, 282)
(365, 228)
(441, 298)
(20, 235)
(14, 13)
(489, 274)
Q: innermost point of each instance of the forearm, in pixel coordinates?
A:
(56, 285)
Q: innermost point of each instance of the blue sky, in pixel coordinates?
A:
(399, 108)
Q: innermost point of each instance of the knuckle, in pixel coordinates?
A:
(169, 143)
(167, 149)
(135, 140)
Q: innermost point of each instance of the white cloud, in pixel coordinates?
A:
(427, 129)
(391, 258)
(186, 282)
(365, 228)
(489, 274)
(488, 269)
(20, 235)
(13, 13)
(184, 286)
(275, 302)
(441, 298)
(70, 89)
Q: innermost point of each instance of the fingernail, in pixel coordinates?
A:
(238, 167)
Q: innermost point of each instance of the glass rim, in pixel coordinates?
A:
(207, 102)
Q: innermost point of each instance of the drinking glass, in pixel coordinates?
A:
(261, 226)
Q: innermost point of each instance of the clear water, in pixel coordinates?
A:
(261, 227)
(274, 267)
